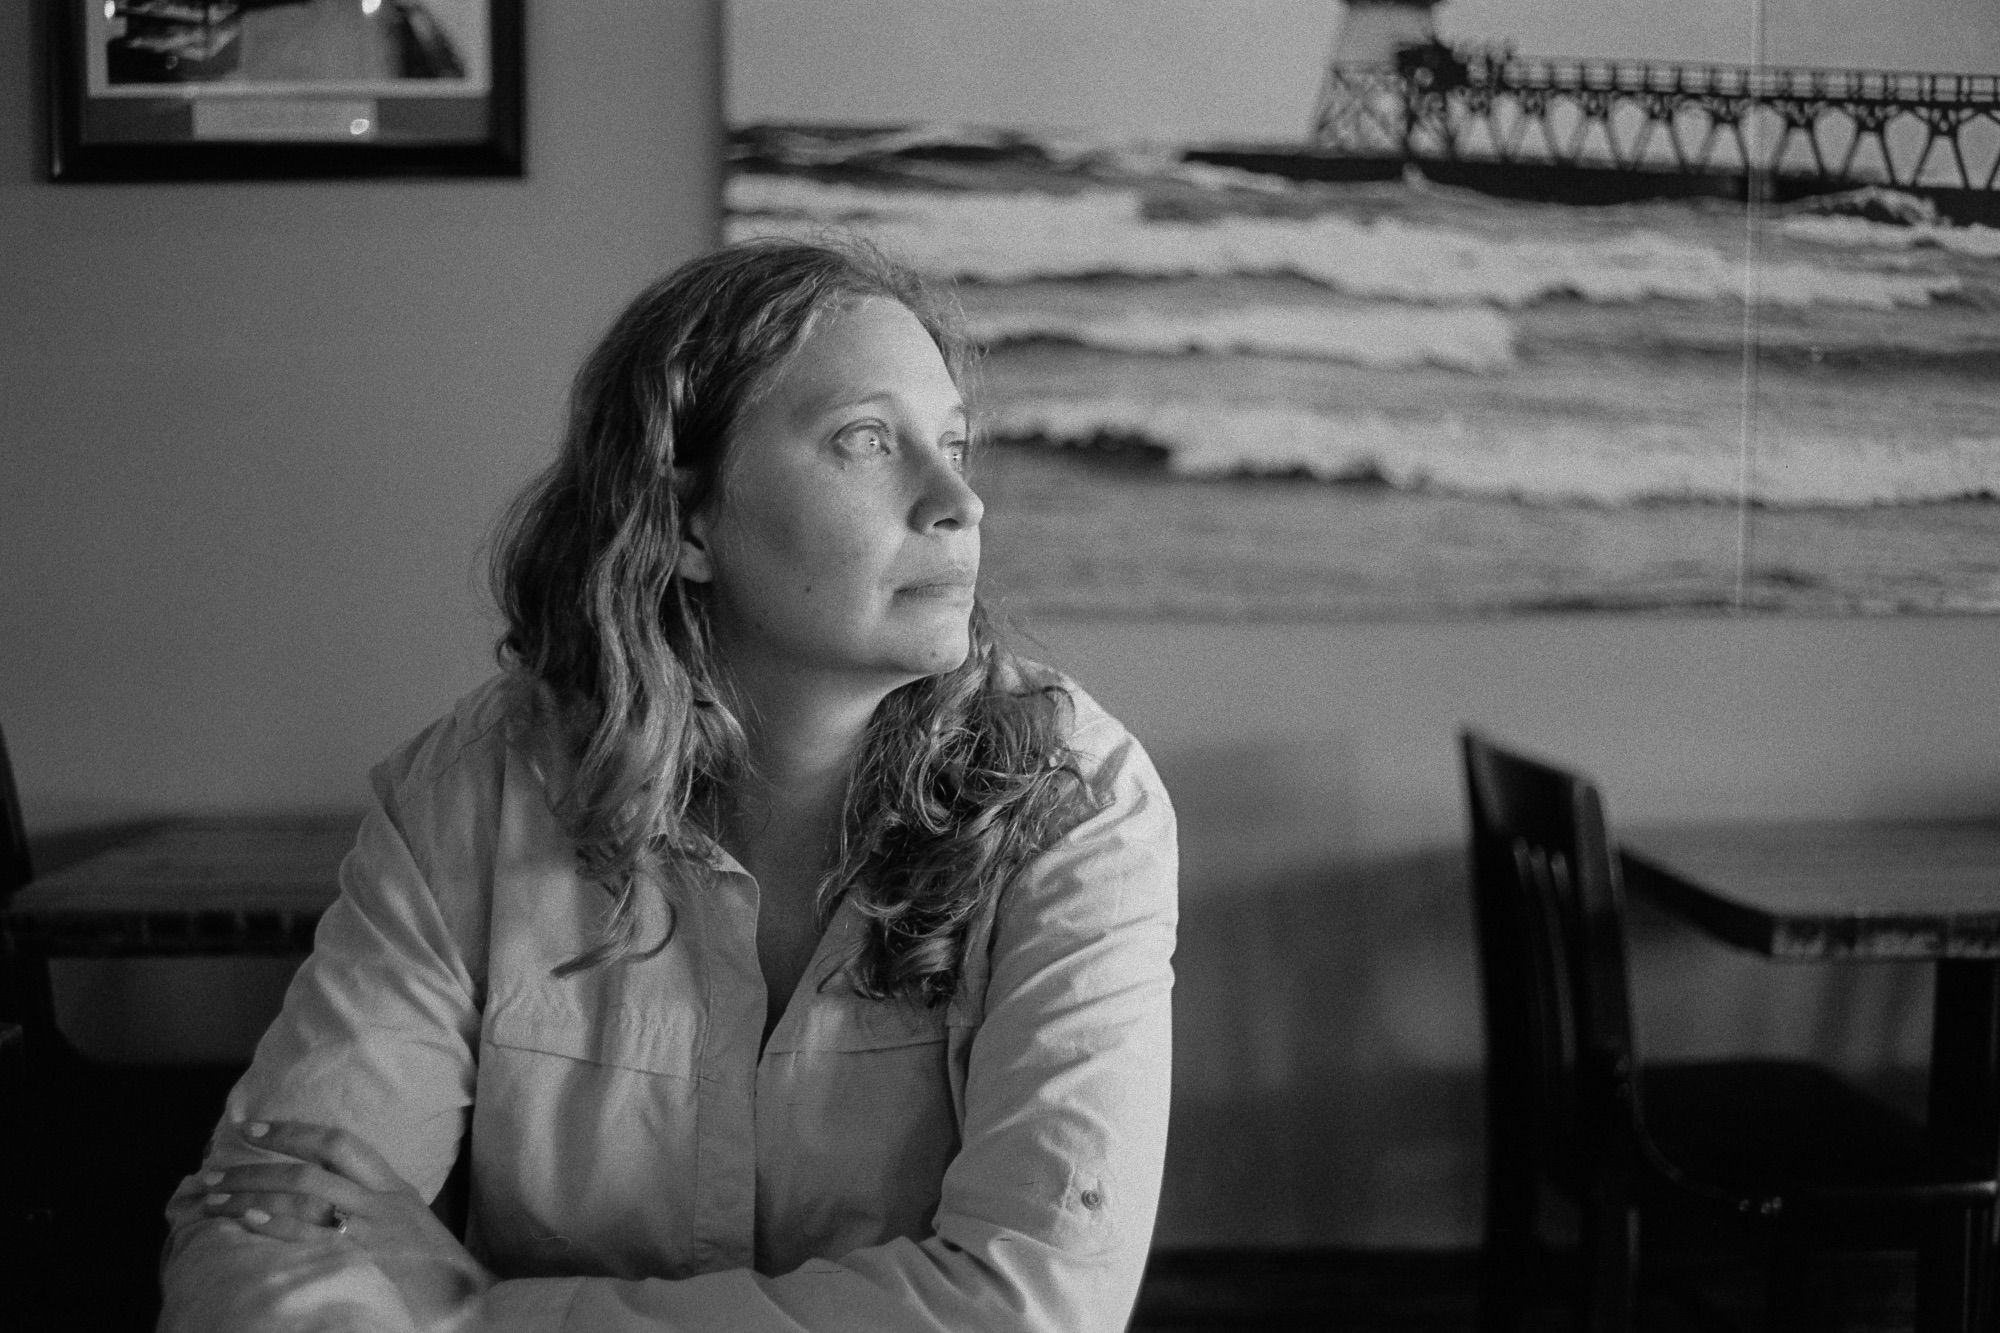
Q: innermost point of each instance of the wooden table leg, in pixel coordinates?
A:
(1955, 1271)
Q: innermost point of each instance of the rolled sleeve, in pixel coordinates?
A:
(1066, 1098)
(379, 1028)
(377, 1037)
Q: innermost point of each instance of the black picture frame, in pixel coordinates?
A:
(162, 90)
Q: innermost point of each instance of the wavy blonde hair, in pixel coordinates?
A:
(962, 777)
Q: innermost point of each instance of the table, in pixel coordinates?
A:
(219, 885)
(225, 885)
(1867, 890)
(177, 887)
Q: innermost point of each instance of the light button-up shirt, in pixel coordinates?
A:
(637, 1163)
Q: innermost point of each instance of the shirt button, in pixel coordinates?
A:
(1091, 1198)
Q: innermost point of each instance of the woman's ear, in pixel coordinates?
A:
(694, 564)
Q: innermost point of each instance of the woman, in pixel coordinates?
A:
(767, 947)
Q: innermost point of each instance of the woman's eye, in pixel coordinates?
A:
(959, 452)
(863, 440)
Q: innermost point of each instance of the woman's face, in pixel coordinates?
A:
(843, 538)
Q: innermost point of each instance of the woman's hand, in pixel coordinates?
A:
(338, 1184)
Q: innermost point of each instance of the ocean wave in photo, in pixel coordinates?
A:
(1474, 339)
(1225, 392)
(1543, 461)
(1919, 231)
(1018, 236)
(794, 147)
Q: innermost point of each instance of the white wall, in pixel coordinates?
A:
(254, 433)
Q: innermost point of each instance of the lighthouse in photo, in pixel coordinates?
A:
(1371, 31)
(1361, 112)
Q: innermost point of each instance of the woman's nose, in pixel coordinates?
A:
(948, 500)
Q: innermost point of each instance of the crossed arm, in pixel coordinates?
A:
(343, 1237)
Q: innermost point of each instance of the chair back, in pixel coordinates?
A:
(15, 867)
(1560, 1096)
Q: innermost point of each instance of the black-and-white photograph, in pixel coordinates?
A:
(272, 45)
(1401, 309)
(1006, 666)
(282, 89)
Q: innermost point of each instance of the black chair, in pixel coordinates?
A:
(16, 867)
(26, 1243)
(1593, 1158)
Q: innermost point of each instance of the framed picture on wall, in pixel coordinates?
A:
(262, 89)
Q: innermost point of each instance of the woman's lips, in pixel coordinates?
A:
(955, 587)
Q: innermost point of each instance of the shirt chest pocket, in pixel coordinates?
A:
(614, 1035)
(858, 1061)
(583, 1138)
(850, 1023)
(555, 1068)
(858, 1119)
(900, 1056)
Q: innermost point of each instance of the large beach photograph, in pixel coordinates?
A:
(1307, 309)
